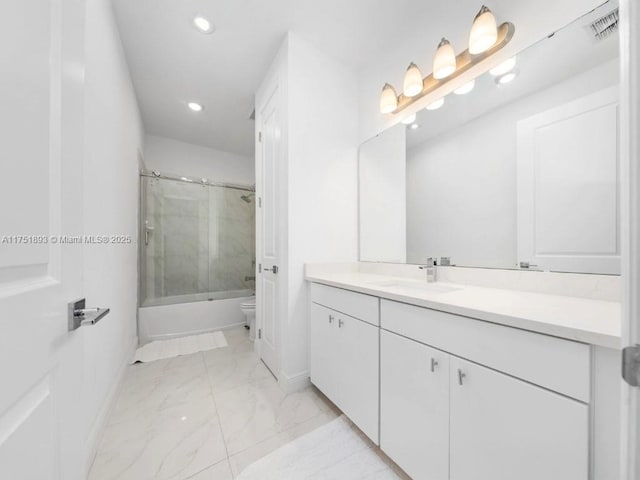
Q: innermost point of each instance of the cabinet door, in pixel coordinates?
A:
(358, 354)
(323, 361)
(414, 406)
(503, 428)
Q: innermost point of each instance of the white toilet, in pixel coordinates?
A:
(249, 311)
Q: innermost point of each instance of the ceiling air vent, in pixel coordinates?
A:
(604, 26)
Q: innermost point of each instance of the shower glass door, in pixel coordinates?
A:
(197, 242)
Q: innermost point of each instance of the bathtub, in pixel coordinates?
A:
(172, 317)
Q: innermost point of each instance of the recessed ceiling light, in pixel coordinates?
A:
(203, 24)
(414, 126)
(436, 105)
(466, 88)
(506, 78)
(504, 67)
(196, 107)
(410, 119)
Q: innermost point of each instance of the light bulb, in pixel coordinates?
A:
(435, 105)
(388, 99)
(444, 64)
(507, 78)
(202, 24)
(466, 88)
(196, 107)
(504, 67)
(484, 32)
(410, 119)
(412, 81)
(415, 126)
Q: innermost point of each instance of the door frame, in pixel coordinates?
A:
(630, 232)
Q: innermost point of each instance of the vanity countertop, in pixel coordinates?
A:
(596, 322)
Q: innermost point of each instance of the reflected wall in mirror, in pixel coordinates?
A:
(519, 172)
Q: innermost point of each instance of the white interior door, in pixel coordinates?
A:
(41, 142)
(630, 175)
(568, 186)
(268, 163)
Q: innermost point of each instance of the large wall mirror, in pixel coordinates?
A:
(522, 171)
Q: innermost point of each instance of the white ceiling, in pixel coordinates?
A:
(172, 63)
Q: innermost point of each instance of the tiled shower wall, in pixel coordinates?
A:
(199, 240)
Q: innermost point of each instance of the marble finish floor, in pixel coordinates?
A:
(204, 416)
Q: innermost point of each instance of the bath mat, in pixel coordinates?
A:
(179, 346)
(332, 452)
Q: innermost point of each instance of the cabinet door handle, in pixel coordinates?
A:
(340, 323)
(461, 376)
(330, 318)
(434, 364)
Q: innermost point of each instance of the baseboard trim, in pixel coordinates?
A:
(294, 383)
(100, 423)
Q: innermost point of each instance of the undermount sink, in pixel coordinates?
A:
(421, 287)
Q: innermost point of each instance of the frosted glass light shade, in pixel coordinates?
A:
(388, 99)
(410, 119)
(444, 64)
(435, 105)
(504, 67)
(466, 88)
(412, 81)
(484, 32)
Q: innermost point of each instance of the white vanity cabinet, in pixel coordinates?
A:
(503, 428)
(449, 397)
(464, 421)
(344, 353)
(414, 406)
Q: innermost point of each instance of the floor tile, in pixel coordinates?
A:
(254, 412)
(226, 373)
(219, 471)
(246, 457)
(146, 397)
(178, 442)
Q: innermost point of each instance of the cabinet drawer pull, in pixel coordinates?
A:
(330, 318)
(340, 323)
(461, 376)
(434, 364)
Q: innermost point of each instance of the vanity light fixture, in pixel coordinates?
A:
(203, 25)
(410, 119)
(412, 81)
(485, 40)
(388, 99)
(507, 77)
(444, 64)
(436, 105)
(466, 88)
(195, 107)
(484, 32)
(504, 67)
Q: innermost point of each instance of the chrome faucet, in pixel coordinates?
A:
(432, 270)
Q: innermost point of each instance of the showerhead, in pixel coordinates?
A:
(247, 198)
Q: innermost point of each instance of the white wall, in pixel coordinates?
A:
(114, 136)
(461, 186)
(322, 171)
(383, 199)
(417, 43)
(317, 184)
(167, 155)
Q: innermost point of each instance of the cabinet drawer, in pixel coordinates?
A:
(357, 305)
(560, 365)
